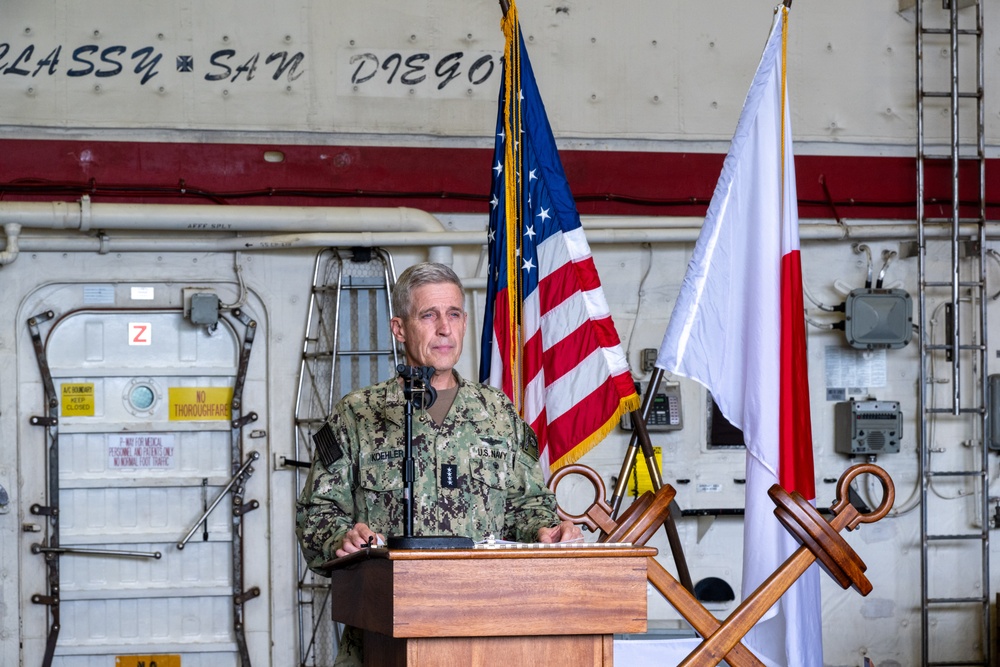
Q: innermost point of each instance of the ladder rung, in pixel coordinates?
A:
(305, 421)
(946, 346)
(325, 289)
(947, 157)
(956, 473)
(947, 93)
(364, 353)
(317, 355)
(947, 31)
(968, 600)
(949, 411)
(952, 538)
(961, 221)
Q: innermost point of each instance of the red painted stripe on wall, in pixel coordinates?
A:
(454, 180)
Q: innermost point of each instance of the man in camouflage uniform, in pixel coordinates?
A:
(476, 461)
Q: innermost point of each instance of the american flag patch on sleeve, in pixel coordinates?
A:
(327, 446)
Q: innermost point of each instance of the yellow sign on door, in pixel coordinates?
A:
(200, 403)
(148, 661)
(78, 399)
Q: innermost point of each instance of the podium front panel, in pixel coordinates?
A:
(484, 593)
(576, 650)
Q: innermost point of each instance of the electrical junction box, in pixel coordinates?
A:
(993, 405)
(878, 318)
(204, 308)
(867, 427)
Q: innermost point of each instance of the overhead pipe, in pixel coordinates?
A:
(85, 215)
(11, 230)
(442, 242)
(312, 226)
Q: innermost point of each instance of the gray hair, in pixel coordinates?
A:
(418, 275)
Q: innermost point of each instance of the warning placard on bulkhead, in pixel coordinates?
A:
(200, 403)
(77, 399)
(141, 450)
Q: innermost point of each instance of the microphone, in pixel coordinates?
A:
(419, 393)
(417, 385)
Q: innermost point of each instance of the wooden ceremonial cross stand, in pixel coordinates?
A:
(820, 542)
(492, 606)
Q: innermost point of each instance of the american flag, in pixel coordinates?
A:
(548, 339)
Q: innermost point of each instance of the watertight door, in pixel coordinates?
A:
(145, 447)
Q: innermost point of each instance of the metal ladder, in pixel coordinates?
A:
(951, 228)
(354, 286)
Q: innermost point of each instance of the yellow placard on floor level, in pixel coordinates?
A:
(77, 399)
(200, 403)
(148, 661)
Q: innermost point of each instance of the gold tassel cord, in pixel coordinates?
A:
(627, 404)
(512, 198)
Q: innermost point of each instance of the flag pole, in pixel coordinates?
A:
(504, 6)
(640, 439)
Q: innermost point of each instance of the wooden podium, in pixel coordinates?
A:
(496, 606)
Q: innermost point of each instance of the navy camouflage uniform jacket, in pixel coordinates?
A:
(476, 474)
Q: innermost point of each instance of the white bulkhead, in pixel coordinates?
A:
(175, 505)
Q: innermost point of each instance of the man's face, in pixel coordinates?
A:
(432, 334)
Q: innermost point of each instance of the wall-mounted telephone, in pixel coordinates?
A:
(665, 411)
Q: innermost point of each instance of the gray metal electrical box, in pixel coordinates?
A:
(993, 403)
(867, 427)
(204, 308)
(878, 318)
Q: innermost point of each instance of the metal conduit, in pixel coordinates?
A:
(103, 243)
(85, 215)
(213, 228)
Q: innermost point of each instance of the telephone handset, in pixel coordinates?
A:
(665, 411)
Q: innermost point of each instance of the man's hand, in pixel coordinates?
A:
(567, 531)
(357, 538)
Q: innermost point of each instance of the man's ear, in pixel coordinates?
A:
(396, 327)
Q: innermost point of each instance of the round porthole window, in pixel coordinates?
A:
(141, 396)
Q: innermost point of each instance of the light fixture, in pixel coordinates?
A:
(878, 318)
